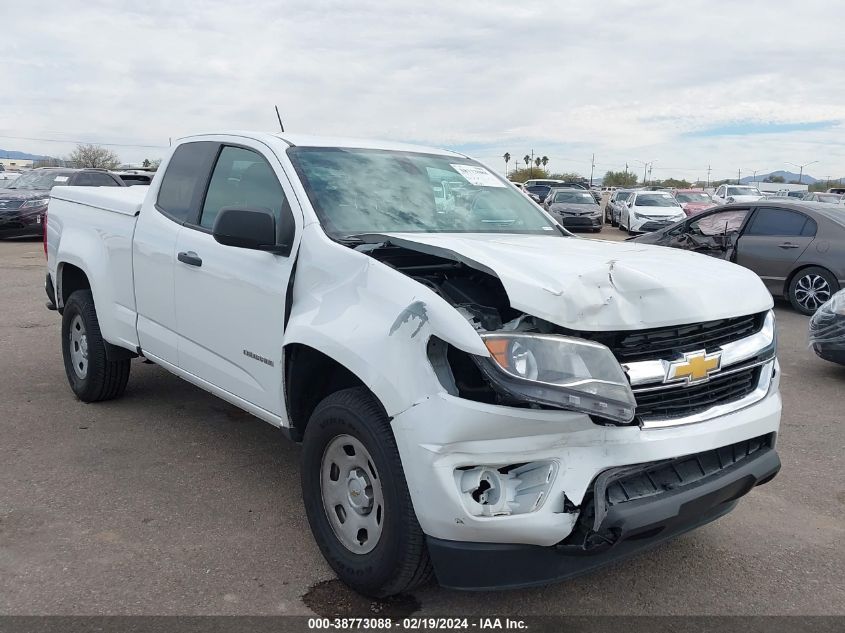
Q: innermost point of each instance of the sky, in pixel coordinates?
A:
(751, 85)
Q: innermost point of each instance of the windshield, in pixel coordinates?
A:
(358, 191)
(40, 180)
(743, 191)
(693, 196)
(655, 200)
(573, 197)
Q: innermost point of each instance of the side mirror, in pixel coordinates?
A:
(254, 229)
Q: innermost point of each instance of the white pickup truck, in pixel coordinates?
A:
(480, 395)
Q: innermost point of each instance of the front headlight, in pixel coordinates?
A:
(37, 202)
(560, 371)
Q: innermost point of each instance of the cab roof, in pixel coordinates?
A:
(306, 140)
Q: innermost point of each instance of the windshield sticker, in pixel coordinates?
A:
(61, 178)
(477, 176)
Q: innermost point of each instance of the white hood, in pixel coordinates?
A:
(595, 285)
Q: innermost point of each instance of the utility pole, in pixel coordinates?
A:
(531, 166)
(645, 173)
(738, 175)
(592, 167)
(801, 170)
(708, 176)
(650, 165)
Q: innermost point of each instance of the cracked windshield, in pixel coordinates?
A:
(377, 191)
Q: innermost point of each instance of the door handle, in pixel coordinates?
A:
(789, 245)
(190, 258)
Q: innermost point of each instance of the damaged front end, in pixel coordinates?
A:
(531, 362)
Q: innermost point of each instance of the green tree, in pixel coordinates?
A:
(545, 161)
(619, 179)
(774, 179)
(674, 183)
(526, 173)
(507, 158)
(146, 162)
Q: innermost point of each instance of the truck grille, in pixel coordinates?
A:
(659, 477)
(681, 401)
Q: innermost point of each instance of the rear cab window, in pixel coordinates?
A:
(185, 179)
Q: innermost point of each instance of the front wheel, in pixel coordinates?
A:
(810, 288)
(356, 497)
(92, 376)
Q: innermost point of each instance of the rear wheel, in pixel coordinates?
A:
(810, 288)
(356, 497)
(91, 375)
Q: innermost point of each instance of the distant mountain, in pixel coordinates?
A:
(787, 176)
(5, 153)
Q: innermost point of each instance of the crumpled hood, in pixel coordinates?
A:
(595, 285)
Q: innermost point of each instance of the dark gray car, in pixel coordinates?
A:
(797, 248)
(574, 209)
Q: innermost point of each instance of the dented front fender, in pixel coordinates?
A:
(372, 319)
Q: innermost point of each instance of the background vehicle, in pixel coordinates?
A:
(826, 198)
(645, 211)
(574, 208)
(837, 190)
(538, 193)
(23, 203)
(693, 201)
(470, 387)
(827, 330)
(614, 206)
(726, 194)
(797, 248)
(135, 176)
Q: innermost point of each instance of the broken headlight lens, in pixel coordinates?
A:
(560, 371)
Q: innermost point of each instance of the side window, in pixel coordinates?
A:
(779, 222)
(184, 180)
(102, 180)
(243, 178)
(83, 179)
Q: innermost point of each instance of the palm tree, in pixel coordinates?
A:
(527, 160)
(537, 162)
(545, 161)
(507, 158)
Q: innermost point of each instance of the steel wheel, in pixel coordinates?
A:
(352, 495)
(811, 291)
(78, 346)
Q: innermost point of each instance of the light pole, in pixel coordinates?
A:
(801, 168)
(646, 168)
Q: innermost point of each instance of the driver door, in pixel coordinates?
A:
(230, 301)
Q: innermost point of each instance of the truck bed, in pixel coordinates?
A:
(91, 228)
(125, 200)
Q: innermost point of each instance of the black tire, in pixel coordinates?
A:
(799, 300)
(103, 379)
(399, 562)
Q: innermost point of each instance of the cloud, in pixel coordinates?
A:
(625, 80)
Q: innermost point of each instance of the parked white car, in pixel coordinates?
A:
(726, 194)
(479, 394)
(645, 211)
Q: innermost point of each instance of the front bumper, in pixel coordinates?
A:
(442, 436)
(580, 221)
(608, 534)
(22, 222)
(645, 225)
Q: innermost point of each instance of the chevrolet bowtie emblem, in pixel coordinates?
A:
(695, 367)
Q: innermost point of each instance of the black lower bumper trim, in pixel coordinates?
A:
(640, 525)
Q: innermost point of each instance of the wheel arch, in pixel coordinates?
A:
(311, 376)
